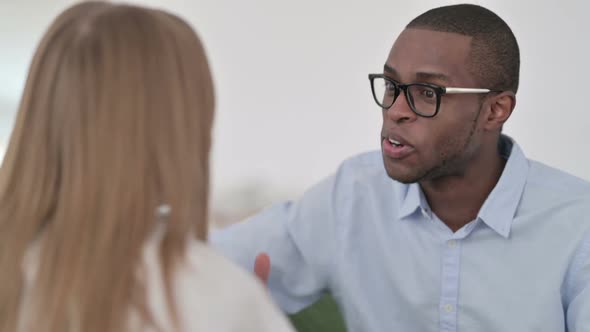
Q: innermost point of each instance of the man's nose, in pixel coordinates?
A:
(400, 111)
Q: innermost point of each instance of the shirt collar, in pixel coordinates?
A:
(499, 208)
(411, 199)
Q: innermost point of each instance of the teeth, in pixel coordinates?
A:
(392, 141)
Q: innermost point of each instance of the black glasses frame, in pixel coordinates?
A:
(438, 90)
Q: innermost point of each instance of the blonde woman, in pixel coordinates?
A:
(103, 189)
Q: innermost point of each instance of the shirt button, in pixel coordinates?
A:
(452, 243)
(449, 307)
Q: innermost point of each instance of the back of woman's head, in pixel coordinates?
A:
(115, 120)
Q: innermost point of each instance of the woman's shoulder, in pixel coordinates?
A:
(202, 261)
(212, 289)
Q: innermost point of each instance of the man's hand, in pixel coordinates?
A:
(262, 267)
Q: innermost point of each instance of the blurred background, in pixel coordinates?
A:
(292, 90)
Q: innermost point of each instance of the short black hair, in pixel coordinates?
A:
(495, 57)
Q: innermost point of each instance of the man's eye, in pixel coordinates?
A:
(423, 92)
(428, 93)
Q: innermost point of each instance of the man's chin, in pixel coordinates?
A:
(399, 174)
(404, 178)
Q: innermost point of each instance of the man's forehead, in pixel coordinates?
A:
(423, 50)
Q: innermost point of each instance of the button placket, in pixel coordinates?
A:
(451, 259)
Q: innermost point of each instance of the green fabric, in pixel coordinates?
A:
(322, 316)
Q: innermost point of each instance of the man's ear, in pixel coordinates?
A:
(501, 107)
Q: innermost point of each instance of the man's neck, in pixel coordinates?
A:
(456, 200)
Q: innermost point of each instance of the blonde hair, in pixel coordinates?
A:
(115, 120)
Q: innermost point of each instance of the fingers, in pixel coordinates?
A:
(262, 267)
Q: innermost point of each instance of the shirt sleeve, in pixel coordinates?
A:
(578, 290)
(300, 238)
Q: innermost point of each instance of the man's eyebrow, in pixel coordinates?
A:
(425, 76)
(420, 76)
(390, 70)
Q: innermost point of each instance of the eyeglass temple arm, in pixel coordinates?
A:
(466, 90)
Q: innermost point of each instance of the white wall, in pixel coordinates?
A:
(291, 81)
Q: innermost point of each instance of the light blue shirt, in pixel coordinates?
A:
(392, 265)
